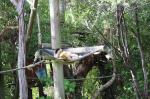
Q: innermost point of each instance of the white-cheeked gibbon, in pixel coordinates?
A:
(65, 55)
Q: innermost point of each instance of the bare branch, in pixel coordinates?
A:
(106, 85)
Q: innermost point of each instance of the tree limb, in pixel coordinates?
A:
(122, 39)
(106, 85)
(31, 20)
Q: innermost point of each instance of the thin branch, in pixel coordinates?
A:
(138, 39)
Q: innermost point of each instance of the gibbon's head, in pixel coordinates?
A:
(61, 54)
(57, 52)
(109, 57)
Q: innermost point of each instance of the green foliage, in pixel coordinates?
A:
(69, 86)
(48, 97)
(81, 16)
(90, 85)
(48, 81)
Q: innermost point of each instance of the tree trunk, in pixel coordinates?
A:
(23, 89)
(2, 89)
(55, 41)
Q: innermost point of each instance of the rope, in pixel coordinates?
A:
(102, 77)
(78, 79)
(28, 66)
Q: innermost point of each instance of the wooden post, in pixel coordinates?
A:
(55, 41)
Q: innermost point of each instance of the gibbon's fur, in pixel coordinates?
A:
(65, 55)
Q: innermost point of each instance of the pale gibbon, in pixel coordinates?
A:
(65, 55)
